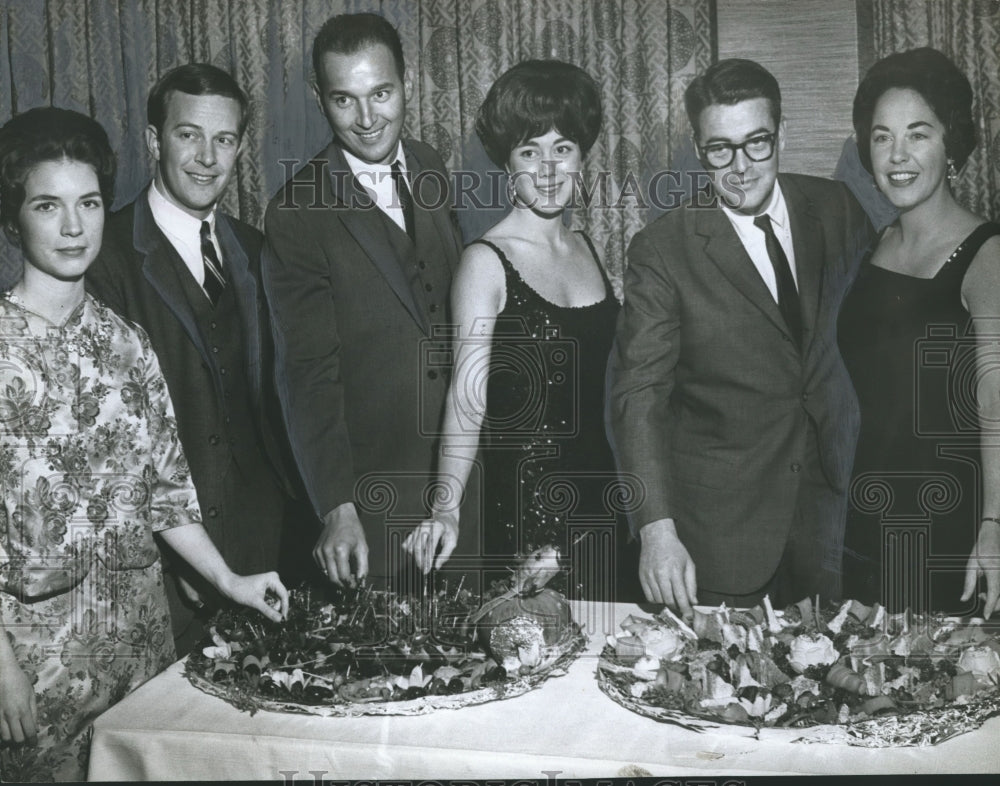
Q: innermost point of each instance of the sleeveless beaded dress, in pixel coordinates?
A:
(914, 498)
(549, 474)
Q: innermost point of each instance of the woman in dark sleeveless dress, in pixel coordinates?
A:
(915, 332)
(536, 317)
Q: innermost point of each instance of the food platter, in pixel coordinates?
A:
(350, 652)
(848, 673)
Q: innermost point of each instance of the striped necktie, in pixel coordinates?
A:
(215, 281)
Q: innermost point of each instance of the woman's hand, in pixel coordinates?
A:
(985, 560)
(18, 712)
(253, 591)
(424, 541)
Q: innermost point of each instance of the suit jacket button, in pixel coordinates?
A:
(432, 374)
(805, 397)
(213, 440)
(421, 264)
(429, 287)
(796, 466)
(213, 513)
(433, 307)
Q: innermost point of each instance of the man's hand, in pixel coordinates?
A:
(985, 560)
(666, 570)
(342, 539)
(18, 712)
(423, 542)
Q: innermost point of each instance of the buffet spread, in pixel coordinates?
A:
(845, 673)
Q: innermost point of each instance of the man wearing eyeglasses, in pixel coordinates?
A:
(729, 398)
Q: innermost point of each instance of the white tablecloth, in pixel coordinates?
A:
(169, 730)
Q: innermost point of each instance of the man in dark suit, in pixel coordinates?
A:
(729, 398)
(189, 275)
(358, 265)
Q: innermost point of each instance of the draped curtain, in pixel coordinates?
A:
(102, 56)
(968, 31)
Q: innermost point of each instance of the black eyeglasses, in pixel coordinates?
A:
(721, 154)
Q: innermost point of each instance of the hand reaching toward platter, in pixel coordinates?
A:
(424, 541)
(341, 542)
(666, 570)
(985, 561)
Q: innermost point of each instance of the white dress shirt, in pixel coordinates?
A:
(752, 238)
(376, 179)
(183, 231)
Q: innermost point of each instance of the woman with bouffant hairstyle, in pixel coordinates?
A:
(932, 281)
(536, 317)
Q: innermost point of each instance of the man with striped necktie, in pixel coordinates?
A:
(188, 274)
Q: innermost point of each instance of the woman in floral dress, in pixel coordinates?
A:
(90, 467)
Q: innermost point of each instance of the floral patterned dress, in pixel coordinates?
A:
(90, 467)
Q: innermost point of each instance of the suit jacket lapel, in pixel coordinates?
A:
(237, 269)
(159, 266)
(807, 240)
(442, 219)
(364, 220)
(723, 247)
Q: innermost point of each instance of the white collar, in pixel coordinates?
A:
(358, 166)
(776, 209)
(172, 219)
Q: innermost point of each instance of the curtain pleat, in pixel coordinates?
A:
(102, 57)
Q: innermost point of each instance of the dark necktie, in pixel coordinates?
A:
(405, 200)
(215, 282)
(788, 295)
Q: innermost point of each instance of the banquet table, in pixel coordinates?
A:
(567, 728)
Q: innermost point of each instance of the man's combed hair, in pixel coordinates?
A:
(347, 34)
(939, 82)
(49, 134)
(196, 79)
(730, 82)
(534, 97)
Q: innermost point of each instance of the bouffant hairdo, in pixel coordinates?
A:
(49, 134)
(534, 97)
(939, 82)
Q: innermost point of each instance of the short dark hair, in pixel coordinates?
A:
(196, 79)
(534, 97)
(730, 82)
(347, 34)
(938, 81)
(49, 134)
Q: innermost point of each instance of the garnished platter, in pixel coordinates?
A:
(360, 651)
(847, 673)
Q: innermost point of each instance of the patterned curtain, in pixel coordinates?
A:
(968, 31)
(102, 56)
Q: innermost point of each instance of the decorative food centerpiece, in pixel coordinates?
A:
(850, 673)
(358, 651)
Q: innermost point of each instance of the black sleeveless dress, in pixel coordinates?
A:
(915, 495)
(549, 475)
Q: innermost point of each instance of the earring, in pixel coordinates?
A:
(511, 191)
(952, 172)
